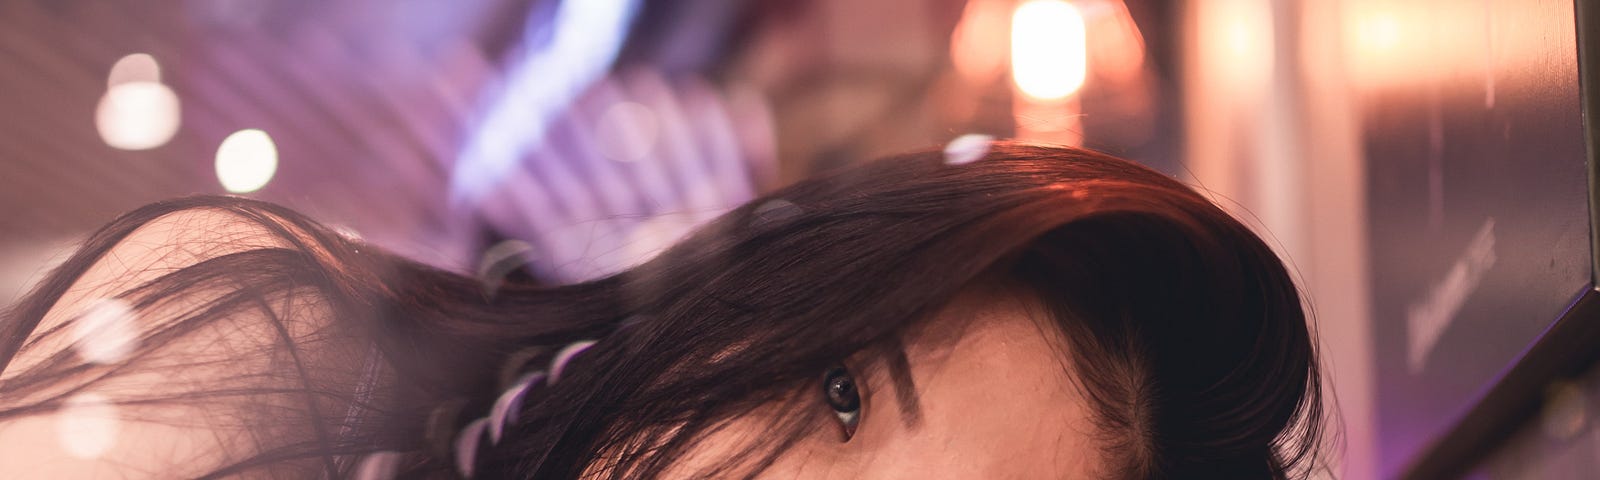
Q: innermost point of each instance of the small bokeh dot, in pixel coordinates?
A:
(87, 425)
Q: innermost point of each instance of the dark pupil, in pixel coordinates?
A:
(841, 391)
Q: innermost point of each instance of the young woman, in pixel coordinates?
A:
(1039, 313)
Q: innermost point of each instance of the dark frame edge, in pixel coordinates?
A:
(1563, 351)
(1588, 34)
(1566, 348)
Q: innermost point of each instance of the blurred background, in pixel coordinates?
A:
(1423, 164)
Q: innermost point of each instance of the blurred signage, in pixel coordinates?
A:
(1477, 197)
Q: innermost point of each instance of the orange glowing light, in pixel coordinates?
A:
(1049, 52)
(1237, 43)
(978, 44)
(1117, 52)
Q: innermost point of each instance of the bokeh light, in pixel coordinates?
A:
(246, 161)
(137, 112)
(1048, 49)
(978, 44)
(137, 67)
(1117, 52)
(87, 425)
(1379, 32)
(106, 332)
(1237, 44)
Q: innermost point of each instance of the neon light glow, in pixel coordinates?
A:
(1048, 49)
(587, 37)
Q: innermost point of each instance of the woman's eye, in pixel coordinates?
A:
(839, 389)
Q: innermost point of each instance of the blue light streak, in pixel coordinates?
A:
(539, 86)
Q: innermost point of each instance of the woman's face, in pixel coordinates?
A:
(993, 399)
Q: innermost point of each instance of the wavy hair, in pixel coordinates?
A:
(1186, 333)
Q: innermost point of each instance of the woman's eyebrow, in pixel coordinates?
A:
(905, 388)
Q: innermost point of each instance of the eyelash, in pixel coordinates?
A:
(842, 394)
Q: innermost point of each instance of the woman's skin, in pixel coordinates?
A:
(994, 399)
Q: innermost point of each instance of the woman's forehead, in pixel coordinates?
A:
(985, 312)
(996, 398)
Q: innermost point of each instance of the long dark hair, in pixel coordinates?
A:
(1187, 334)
